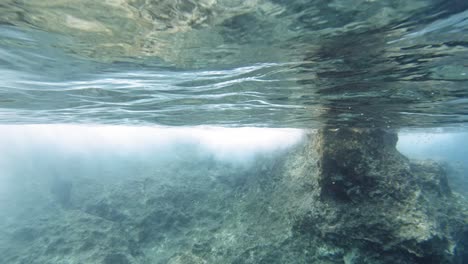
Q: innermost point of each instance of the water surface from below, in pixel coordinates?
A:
(263, 63)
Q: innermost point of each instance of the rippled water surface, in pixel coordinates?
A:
(275, 63)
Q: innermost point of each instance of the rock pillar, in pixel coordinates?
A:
(367, 199)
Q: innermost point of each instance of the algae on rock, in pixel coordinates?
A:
(365, 195)
(344, 196)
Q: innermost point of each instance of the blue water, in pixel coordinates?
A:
(163, 131)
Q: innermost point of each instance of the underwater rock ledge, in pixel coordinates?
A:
(343, 196)
(372, 204)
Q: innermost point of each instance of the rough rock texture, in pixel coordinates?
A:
(345, 196)
(374, 205)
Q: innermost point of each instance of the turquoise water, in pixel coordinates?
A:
(227, 131)
(235, 63)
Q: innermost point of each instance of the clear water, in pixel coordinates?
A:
(161, 131)
(267, 63)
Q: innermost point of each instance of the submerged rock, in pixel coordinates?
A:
(364, 197)
(345, 196)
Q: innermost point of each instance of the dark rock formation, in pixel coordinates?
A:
(345, 196)
(366, 199)
(354, 164)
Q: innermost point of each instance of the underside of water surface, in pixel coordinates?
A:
(235, 63)
(227, 131)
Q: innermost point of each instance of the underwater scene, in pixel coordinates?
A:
(228, 131)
